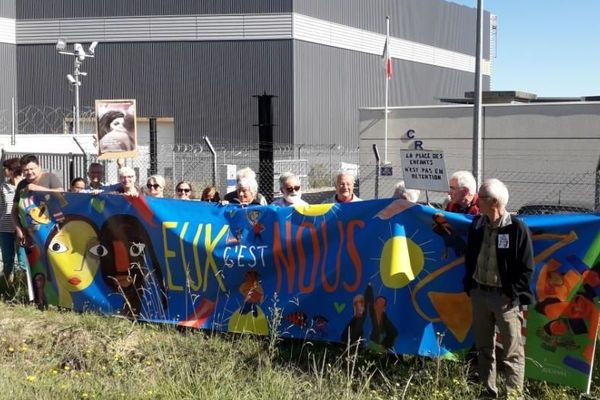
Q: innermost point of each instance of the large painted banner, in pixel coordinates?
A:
(387, 271)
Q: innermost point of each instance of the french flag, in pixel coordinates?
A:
(386, 57)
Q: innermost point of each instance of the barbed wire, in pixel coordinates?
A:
(317, 165)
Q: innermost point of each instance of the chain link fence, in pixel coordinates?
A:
(532, 192)
(317, 166)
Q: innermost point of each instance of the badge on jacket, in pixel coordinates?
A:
(503, 241)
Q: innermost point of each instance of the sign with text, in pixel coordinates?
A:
(424, 169)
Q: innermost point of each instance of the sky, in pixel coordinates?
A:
(546, 47)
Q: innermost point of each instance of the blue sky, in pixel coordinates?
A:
(546, 47)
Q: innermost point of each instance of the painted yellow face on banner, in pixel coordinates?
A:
(74, 254)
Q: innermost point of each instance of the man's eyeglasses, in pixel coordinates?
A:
(152, 186)
(291, 189)
(180, 190)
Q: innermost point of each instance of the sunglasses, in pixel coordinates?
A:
(290, 189)
(152, 186)
(179, 190)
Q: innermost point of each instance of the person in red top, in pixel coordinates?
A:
(463, 194)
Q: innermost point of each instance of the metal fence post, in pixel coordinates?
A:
(71, 170)
(265, 145)
(173, 166)
(153, 146)
(85, 160)
(214, 163)
(377, 161)
(331, 162)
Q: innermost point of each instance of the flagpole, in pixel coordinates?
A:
(477, 158)
(387, 83)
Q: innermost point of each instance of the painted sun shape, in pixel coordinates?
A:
(313, 210)
(402, 260)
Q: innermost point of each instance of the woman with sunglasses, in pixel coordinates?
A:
(289, 184)
(155, 186)
(210, 194)
(183, 190)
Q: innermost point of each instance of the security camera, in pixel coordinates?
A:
(80, 52)
(61, 44)
(92, 48)
(71, 79)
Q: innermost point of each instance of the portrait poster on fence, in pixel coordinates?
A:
(116, 128)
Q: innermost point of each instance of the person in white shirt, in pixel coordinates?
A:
(344, 189)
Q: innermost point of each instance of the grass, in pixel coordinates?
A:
(61, 354)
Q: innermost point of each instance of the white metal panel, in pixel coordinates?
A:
(173, 28)
(41, 31)
(234, 27)
(220, 27)
(331, 34)
(268, 26)
(8, 31)
(132, 29)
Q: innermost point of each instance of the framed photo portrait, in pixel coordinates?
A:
(116, 130)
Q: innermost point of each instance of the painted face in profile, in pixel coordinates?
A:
(74, 254)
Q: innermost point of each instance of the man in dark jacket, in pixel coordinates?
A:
(498, 263)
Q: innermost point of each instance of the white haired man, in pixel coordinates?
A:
(290, 187)
(463, 196)
(498, 264)
(344, 189)
(401, 192)
(244, 173)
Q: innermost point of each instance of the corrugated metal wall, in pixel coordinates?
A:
(331, 84)
(206, 86)
(8, 9)
(435, 22)
(8, 83)
(27, 9)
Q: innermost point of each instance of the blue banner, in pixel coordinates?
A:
(385, 270)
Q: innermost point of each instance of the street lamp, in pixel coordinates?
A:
(79, 54)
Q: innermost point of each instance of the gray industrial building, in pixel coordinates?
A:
(200, 62)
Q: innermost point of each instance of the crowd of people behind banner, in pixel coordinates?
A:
(498, 259)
